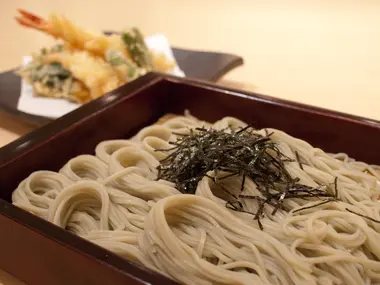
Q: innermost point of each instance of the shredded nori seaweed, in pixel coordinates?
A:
(242, 153)
(299, 160)
(363, 216)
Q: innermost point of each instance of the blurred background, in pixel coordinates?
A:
(324, 53)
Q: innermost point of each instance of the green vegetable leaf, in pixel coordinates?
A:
(135, 44)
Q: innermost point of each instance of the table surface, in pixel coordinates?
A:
(324, 53)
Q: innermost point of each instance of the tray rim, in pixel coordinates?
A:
(274, 100)
(152, 78)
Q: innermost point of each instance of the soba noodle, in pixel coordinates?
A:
(114, 200)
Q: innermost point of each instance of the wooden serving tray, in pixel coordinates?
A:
(203, 65)
(41, 253)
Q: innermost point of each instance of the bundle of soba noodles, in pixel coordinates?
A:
(84, 65)
(220, 203)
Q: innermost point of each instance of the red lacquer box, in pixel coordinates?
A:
(40, 253)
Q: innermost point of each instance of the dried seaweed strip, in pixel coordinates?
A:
(313, 206)
(363, 216)
(298, 160)
(336, 188)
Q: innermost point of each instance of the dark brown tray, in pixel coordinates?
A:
(203, 65)
(40, 253)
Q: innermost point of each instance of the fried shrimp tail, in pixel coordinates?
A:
(61, 28)
(33, 21)
(30, 20)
